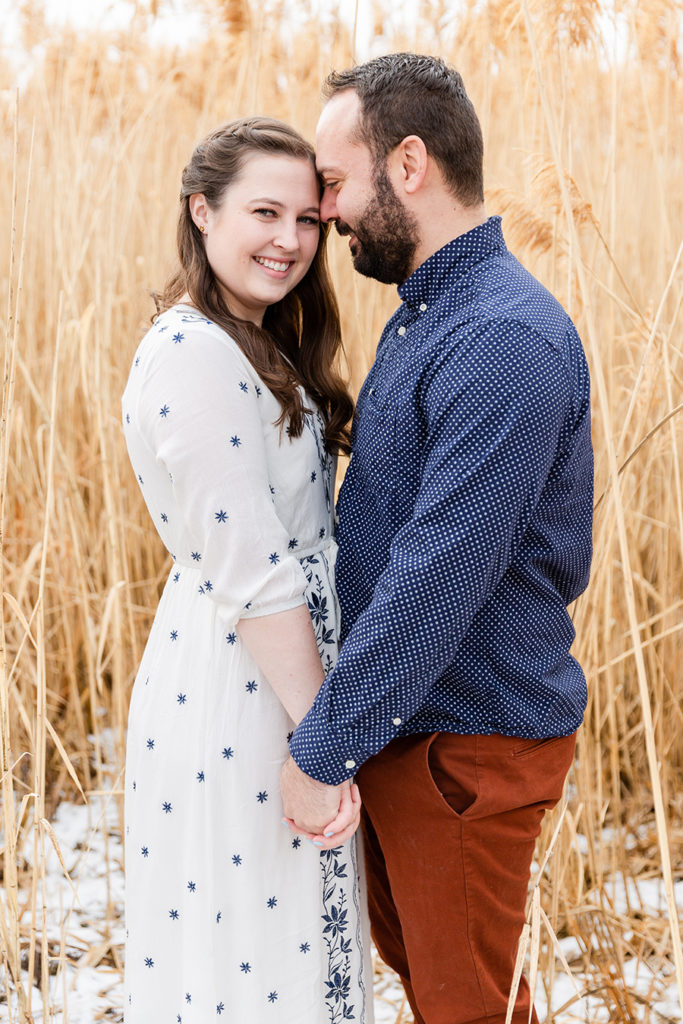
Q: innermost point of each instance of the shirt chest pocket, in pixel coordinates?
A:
(374, 450)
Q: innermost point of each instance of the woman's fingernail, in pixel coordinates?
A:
(328, 834)
(315, 842)
(285, 822)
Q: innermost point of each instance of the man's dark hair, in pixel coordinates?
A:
(410, 94)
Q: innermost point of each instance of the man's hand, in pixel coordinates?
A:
(327, 814)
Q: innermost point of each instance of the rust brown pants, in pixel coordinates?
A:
(450, 823)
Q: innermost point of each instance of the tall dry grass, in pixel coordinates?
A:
(584, 149)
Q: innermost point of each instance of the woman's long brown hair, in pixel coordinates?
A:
(301, 335)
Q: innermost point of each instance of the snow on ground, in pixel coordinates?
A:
(86, 932)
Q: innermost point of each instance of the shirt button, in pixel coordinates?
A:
(397, 721)
(349, 764)
(401, 331)
(423, 306)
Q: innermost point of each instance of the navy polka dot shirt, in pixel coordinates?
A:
(464, 519)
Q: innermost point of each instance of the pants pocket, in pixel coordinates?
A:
(525, 748)
(452, 767)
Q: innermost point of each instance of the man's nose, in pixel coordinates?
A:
(328, 206)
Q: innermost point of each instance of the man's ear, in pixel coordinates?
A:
(411, 161)
(199, 210)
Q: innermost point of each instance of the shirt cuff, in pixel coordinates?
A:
(322, 755)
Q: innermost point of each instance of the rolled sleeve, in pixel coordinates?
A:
(199, 412)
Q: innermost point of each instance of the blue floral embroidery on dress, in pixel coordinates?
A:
(319, 610)
(316, 426)
(194, 318)
(335, 918)
(353, 850)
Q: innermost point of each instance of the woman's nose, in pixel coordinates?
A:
(287, 236)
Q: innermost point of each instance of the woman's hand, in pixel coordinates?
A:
(343, 826)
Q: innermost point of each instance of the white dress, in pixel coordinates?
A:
(228, 913)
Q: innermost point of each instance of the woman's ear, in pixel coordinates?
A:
(199, 210)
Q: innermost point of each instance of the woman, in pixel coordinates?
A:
(231, 411)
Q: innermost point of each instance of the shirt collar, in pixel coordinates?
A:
(452, 261)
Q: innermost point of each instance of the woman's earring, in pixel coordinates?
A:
(202, 229)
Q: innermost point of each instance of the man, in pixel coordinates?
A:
(464, 533)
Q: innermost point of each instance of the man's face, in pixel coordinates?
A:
(360, 197)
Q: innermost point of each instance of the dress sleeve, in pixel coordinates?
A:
(200, 411)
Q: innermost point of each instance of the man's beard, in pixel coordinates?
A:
(387, 234)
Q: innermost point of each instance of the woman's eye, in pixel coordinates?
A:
(264, 211)
(315, 221)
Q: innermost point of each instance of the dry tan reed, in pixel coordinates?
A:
(584, 147)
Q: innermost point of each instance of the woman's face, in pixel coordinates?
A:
(263, 237)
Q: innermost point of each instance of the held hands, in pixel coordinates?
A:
(328, 815)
